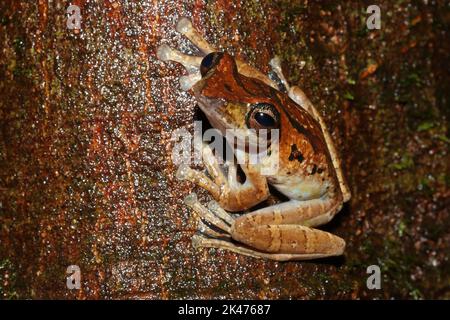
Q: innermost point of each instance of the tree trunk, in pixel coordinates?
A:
(86, 176)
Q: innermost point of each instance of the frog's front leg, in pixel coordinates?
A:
(231, 194)
(192, 63)
(280, 232)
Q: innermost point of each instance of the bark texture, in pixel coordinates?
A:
(86, 176)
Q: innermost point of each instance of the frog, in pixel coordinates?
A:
(233, 94)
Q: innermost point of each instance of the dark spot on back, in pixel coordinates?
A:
(296, 154)
(227, 87)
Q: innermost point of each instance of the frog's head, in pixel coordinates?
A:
(233, 101)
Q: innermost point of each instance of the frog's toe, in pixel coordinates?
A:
(164, 52)
(211, 231)
(183, 172)
(190, 199)
(184, 25)
(205, 214)
(197, 241)
(190, 63)
(275, 64)
(213, 166)
(187, 82)
(217, 210)
(201, 240)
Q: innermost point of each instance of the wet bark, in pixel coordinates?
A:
(86, 176)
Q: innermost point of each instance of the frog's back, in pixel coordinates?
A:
(305, 167)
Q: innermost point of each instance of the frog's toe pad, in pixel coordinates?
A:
(201, 241)
(275, 62)
(182, 172)
(187, 82)
(197, 241)
(184, 25)
(190, 199)
(217, 210)
(164, 52)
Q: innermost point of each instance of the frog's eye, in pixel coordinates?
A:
(210, 61)
(263, 116)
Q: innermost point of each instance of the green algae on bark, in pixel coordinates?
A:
(86, 176)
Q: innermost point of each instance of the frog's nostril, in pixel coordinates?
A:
(209, 62)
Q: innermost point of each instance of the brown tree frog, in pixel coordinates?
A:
(233, 94)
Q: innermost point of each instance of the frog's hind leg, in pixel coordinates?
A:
(185, 27)
(262, 234)
(297, 94)
(218, 220)
(201, 241)
(207, 214)
(221, 238)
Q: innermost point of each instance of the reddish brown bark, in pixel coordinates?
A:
(86, 119)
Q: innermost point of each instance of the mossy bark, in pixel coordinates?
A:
(86, 176)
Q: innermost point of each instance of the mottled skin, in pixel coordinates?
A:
(303, 175)
(308, 174)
